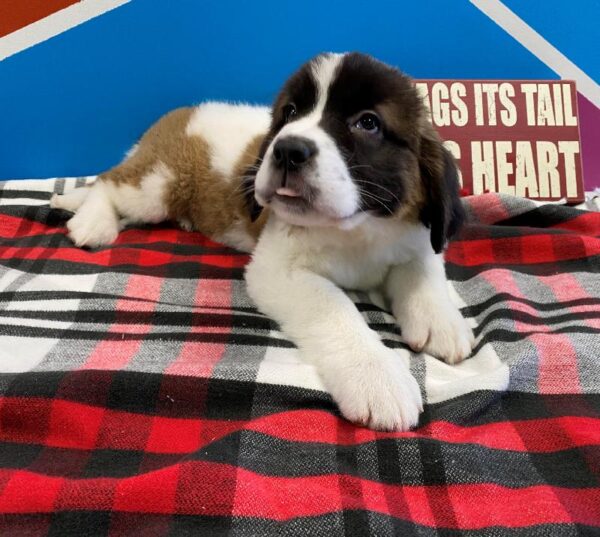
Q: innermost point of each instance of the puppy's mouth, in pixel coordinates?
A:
(296, 206)
(292, 199)
(295, 197)
(296, 200)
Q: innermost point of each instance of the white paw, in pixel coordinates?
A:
(438, 329)
(93, 232)
(185, 224)
(377, 390)
(63, 201)
(71, 201)
(55, 201)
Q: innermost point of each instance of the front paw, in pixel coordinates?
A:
(439, 330)
(377, 390)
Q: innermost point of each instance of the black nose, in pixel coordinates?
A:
(293, 152)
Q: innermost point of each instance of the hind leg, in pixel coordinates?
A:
(96, 222)
(71, 201)
(142, 201)
(125, 195)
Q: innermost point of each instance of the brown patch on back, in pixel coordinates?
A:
(159, 143)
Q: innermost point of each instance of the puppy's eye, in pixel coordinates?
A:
(368, 122)
(289, 111)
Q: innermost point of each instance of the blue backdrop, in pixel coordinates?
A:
(72, 105)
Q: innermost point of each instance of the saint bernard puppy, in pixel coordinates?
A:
(343, 184)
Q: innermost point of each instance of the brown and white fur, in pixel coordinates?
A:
(358, 193)
(187, 167)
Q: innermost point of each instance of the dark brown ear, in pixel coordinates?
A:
(254, 209)
(442, 210)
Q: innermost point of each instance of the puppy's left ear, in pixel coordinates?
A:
(442, 210)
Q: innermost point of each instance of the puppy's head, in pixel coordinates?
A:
(350, 140)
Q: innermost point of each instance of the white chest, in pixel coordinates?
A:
(353, 270)
(361, 261)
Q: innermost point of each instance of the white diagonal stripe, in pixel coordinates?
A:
(54, 24)
(542, 49)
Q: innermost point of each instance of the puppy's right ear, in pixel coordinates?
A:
(254, 209)
(252, 206)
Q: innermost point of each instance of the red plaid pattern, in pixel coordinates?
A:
(142, 394)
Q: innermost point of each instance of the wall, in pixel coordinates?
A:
(72, 104)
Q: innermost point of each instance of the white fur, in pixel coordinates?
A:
(295, 277)
(324, 70)
(132, 151)
(71, 201)
(237, 237)
(96, 222)
(228, 129)
(423, 308)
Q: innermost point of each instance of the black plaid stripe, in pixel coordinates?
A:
(542, 217)
(229, 399)
(93, 524)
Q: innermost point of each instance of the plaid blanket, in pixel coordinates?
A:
(142, 394)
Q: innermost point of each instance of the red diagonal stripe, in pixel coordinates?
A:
(112, 257)
(66, 424)
(319, 426)
(539, 249)
(15, 14)
(261, 496)
(12, 227)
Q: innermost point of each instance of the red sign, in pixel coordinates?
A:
(518, 137)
